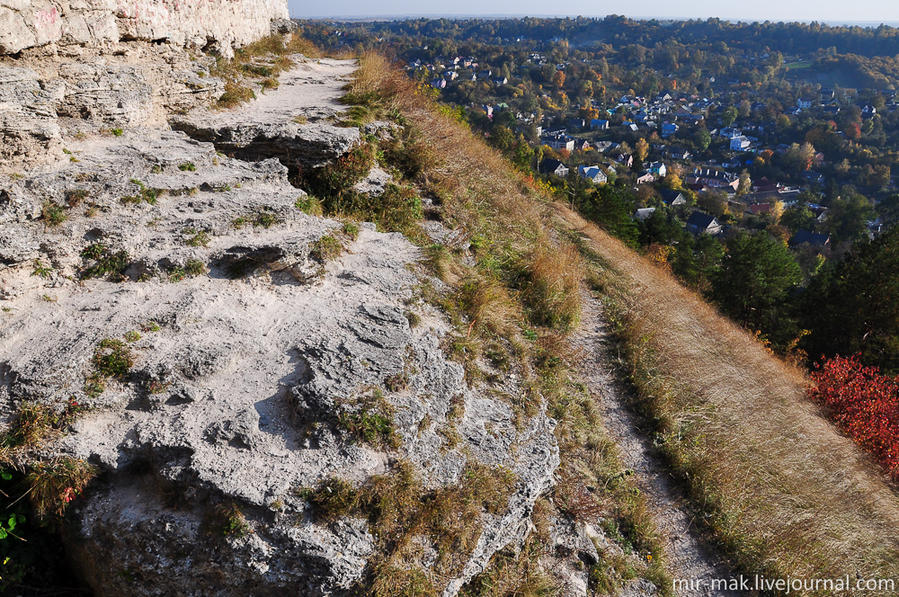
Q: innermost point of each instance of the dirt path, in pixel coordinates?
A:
(687, 557)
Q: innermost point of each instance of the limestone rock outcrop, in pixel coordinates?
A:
(79, 66)
(294, 124)
(249, 348)
(217, 24)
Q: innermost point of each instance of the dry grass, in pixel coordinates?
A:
(479, 192)
(31, 424)
(523, 276)
(781, 490)
(408, 521)
(259, 63)
(552, 289)
(785, 493)
(54, 484)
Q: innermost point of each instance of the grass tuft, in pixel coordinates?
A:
(99, 261)
(52, 213)
(56, 483)
(113, 358)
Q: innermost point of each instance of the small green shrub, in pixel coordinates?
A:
(176, 274)
(56, 483)
(74, 197)
(143, 195)
(336, 178)
(113, 358)
(40, 270)
(265, 218)
(258, 70)
(132, 336)
(351, 230)
(326, 248)
(94, 385)
(397, 209)
(194, 267)
(31, 423)
(100, 261)
(52, 214)
(117, 132)
(150, 326)
(187, 167)
(233, 522)
(331, 499)
(235, 94)
(200, 239)
(309, 205)
(371, 421)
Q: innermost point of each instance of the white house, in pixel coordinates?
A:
(644, 213)
(740, 143)
(560, 143)
(592, 173)
(657, 168)
(702, 223)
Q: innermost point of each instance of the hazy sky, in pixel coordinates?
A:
(757, 10)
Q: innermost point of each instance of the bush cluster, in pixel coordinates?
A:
(864, 403)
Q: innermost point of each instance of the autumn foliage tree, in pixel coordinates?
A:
(864, 403)
(559, 79)
(642, 149)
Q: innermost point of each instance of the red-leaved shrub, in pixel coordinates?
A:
(864, 403)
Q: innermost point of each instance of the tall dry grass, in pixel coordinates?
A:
(785, 493)
(777, 486)
(480, 193)
(525, 276)
(552, 288)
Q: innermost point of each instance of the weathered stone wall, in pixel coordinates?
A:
(225, 24)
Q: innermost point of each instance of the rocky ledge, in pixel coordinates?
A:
(260, 351)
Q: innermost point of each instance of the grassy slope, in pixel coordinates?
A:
(521, 294)
(784, 491)
(779, 489)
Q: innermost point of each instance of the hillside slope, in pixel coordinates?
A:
(328, 343)
(783, 491)
(774, 485)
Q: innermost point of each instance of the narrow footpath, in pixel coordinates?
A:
(688, 558)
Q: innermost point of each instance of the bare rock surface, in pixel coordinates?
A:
(227, 24)
(45, 99)
(249, 348)
(85, 65)
(290, 122)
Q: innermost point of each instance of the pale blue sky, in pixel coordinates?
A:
(866, 11)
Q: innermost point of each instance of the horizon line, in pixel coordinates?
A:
(499, 16)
